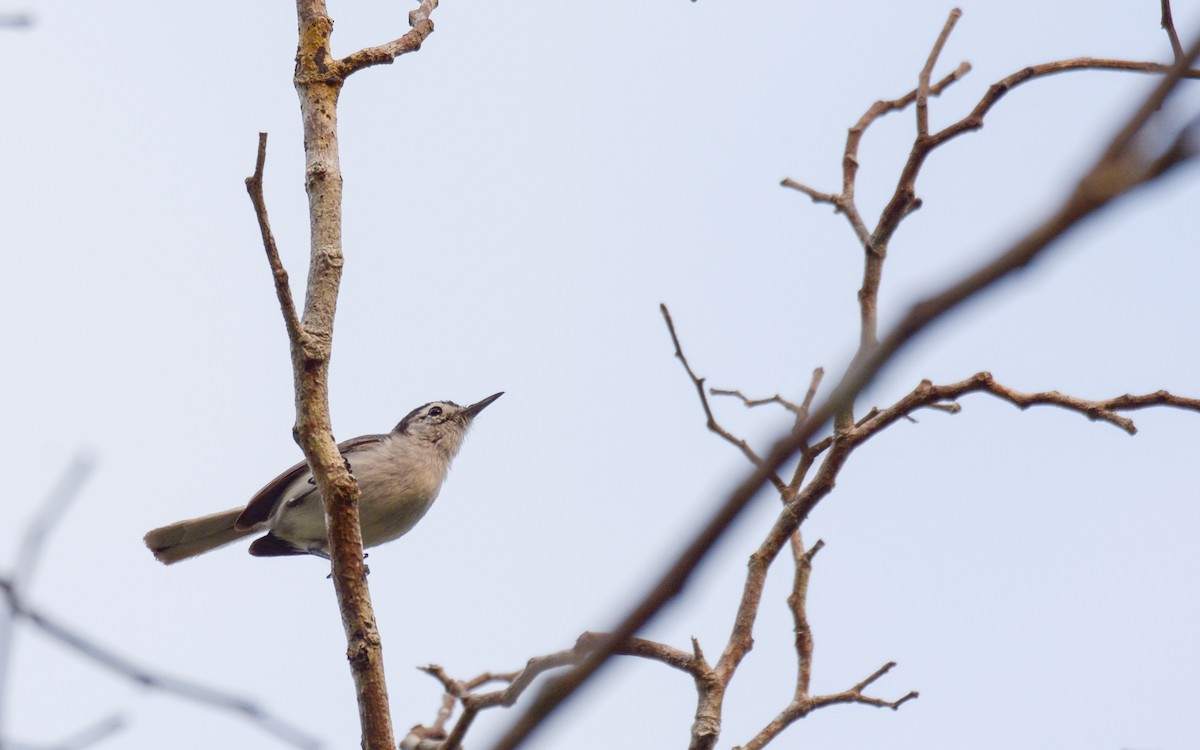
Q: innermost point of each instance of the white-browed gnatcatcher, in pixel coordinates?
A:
(399, 474)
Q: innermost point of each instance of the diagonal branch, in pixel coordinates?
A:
(927, 73)
(183, 688)
(798, 605)
(808, 453)
(386, 54)
(84, 738)
(283, 289)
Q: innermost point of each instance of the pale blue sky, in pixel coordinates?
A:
(520, 196)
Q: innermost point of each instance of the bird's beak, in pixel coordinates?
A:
(474, 409)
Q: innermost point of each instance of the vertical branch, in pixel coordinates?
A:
(927, 74)
(798, 603)
(1168, 25)
(319, 79)
(318, 83)
(283, 289)
(903, 202)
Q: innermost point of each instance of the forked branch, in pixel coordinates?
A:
(801, 707)
(712, 423)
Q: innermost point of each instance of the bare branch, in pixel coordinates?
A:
(903, 202)
(1096, 188)
(752, 402)
(844, 202)
(712, 423)
(808, 453)
(817, 376)
(928, 395)
(283, 289)
(318, 84)
(997, 91)
(518, 682)
(434, 737)
(386, 54)
(927, 73)
(798, 605)
(817, 196)
(801, 707)
(693, 663)
(1168, 25)
(855, 694)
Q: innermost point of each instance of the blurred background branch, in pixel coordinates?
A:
(15, 589)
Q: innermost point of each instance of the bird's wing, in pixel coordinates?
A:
(262, 506)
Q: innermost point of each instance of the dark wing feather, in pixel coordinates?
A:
(262, 506)
(272, 546)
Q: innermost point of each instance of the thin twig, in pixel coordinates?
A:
(1168, 25)
(927, 73)
(798, 606)
(283, 289)
(473, 703)
(808, 453)
(434, 737)
(711, 421)
(798, 708)
(816, 195)
(752, 402)
(844, 202)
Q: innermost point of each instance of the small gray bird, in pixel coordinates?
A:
(400, 475)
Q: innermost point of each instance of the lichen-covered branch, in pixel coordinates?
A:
(386, 54)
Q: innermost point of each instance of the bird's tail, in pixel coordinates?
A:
(185, 539)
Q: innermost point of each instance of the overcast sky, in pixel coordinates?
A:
(520, 196)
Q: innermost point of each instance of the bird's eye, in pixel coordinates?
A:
(435, 411)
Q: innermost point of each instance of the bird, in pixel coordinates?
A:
(399, 475)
